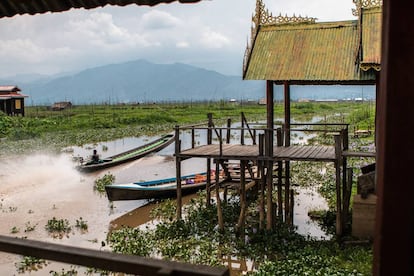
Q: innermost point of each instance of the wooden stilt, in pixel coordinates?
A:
(347, 195)
(178, 171)
(279, 177)
(339, 226)
(208, 185)
(217, 189)
(243, 203)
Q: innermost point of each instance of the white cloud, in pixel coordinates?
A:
(182, 44)
(156, 19)
(24, 50)
(209, 33)
(214, 40)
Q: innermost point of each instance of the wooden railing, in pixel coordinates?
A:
(105, 260)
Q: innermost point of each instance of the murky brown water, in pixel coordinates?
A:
(36, 188)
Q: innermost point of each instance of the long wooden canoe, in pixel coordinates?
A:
(127, 156)
(157, 189)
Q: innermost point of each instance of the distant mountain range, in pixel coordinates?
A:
(142, 81)
(136, 81)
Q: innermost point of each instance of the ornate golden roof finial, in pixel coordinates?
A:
(264, 17)
(361, 4)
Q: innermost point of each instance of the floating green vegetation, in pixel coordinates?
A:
(58, 228)
(100, 183)
(96, 123)
(29, 264)
(71, 272)
(29, 227)
(196, 239)
(81, 225)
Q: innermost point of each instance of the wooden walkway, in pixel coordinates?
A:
(251, 152)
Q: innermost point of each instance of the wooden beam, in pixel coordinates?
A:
(394, 237)
(130, 264)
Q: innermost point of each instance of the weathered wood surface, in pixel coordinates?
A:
(129, 264)
(251, 152)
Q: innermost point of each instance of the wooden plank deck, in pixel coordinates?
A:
(251, 152)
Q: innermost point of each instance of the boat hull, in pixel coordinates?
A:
(157, 189)
(128, 156)
(115, 193)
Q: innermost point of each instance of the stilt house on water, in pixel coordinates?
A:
(11, 101)
(297, 50)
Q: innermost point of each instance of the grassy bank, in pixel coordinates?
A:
(94, 123)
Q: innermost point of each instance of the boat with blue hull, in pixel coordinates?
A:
(158, 189)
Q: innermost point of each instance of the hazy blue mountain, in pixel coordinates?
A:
(143, 81)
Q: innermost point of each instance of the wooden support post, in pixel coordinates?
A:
(345, 142)
(228, 136)
(192, 138)
(178, 171)
(209, 130)
(269, 182)
(339, 226)
(208, 185)
(242, 130)
(243, 203)
(262, 177)
(287, 144)
(279, 143)
(292, 205)
(218, 200)
(347, 195)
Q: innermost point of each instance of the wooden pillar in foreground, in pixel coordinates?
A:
(394, 237)
(269, 152)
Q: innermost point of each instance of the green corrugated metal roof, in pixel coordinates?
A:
(371, 37)
(310, 52)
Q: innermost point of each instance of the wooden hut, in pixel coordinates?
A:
(299, 51)
(11, 101)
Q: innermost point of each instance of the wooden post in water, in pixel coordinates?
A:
(269, 152)
(262, 182)
(287, 144)
(209, 141)
(242, 130)
(269, 182)
(347, 195)
(228, 136)
(279, 143)
(218, 200)
(338, 154)
(243, 204)
(208, 184)
(345, 142)
(178, 171)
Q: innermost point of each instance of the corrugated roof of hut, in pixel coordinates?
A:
(371, 21)
(299, 50)
(10, 8)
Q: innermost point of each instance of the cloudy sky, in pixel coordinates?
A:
(211, 34)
